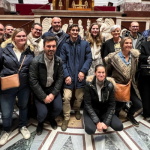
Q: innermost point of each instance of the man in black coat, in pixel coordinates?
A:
(46, 78)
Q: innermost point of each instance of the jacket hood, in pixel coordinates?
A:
(134, 52)
(4, 44)
(9, 41)
(90, 79)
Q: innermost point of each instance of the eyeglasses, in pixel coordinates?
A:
(134, 26)
(38, 30)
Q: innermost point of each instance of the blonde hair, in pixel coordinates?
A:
(16, 31)
(89, 37)
(123, 41)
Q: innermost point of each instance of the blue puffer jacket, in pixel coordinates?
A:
(9, 64)
(62, 39)
(76, 59)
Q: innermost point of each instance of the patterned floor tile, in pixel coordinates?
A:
(109, 141)
(140, 136)
(68, 141)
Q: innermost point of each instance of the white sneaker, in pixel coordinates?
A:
(4, 138)
(25, 132)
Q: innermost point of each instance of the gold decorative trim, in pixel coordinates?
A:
(93, 5)
(54, 4)
(67, 4)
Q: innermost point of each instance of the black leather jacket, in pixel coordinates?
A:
(38, 77)
(96, 108)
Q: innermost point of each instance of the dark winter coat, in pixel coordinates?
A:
(107, 47)
(62, 39)
(96, 108)
(145, 52)
(76, 59)
(38, 77)
(9, 64)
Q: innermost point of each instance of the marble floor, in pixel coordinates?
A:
(75, 138)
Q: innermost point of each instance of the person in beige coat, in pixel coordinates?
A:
(122, 66)
(34, 38)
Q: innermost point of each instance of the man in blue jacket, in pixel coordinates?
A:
(56, 31)
(76, 56)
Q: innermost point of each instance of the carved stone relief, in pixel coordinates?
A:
(46, 24)
(105, 24)
(65, 27)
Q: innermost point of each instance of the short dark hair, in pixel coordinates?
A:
(73, 25)
(36, 24)
(99, 65)
(48, 39)
(7, 26)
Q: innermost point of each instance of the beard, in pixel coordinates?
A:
(1, 36)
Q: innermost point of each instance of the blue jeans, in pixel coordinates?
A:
(54, 108)
(7, 101)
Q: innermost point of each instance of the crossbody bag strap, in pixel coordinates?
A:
(22, 63)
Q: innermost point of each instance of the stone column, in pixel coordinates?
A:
(147, 25)
(37, 19)
(118, 21)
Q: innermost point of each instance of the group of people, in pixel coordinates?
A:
(57, 63)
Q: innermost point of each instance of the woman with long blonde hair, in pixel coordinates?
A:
(94, 37)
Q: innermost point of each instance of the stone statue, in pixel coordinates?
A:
(86, 4)
(81, 33)
(105, 27)
(65, 27)
(100, 21)
(88, 24)
(70, 22)
(46, 24)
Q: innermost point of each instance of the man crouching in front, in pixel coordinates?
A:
(46, 78)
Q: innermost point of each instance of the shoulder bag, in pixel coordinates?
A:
(122, 92)
(11, 81)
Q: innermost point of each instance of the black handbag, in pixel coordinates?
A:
(145, 70)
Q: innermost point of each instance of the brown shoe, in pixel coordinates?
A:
(77, 115)
(64, 125)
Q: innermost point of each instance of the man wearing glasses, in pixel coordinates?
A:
(137, 37)
(34, 38)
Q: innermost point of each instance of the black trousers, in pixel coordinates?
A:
(136, 103)
(54, 108)
(90, 126)
(144, 88)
